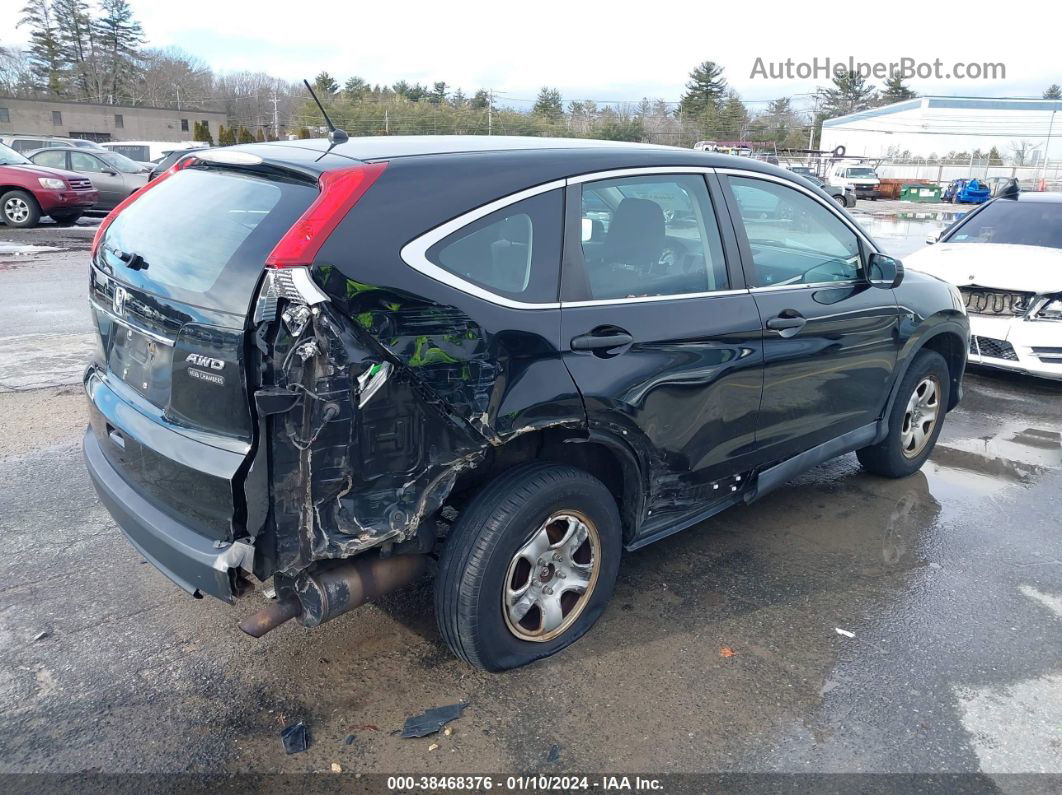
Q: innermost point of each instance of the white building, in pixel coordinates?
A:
(929, 126)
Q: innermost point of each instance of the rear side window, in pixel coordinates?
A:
(513, 252)
(650, 236)
(204, 235)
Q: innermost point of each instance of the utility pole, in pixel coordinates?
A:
(1047, 145)
(490, 111)
(276, 115)
(178, 95)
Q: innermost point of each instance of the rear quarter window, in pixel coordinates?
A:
(204, 235)
(514, 252)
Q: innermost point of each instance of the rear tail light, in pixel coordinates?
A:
(340, 191)
(132, 197)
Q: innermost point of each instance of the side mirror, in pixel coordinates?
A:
(884, 271)
(931, 239)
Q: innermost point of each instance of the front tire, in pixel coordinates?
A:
(915, 421)
(19, 209)
(66, 219)
(528, 567)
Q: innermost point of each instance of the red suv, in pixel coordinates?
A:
(28, 191)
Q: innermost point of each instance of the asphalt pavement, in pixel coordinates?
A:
(843, 624)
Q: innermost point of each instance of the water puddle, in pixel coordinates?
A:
(903, 233)
(983, 466)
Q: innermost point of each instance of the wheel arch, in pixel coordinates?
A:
(608, 459)
(949, 339)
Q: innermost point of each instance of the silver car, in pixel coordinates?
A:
(115, 176)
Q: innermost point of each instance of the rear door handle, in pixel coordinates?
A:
(787, 324)
(601, 342)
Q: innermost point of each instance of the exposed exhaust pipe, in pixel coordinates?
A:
(321, 596)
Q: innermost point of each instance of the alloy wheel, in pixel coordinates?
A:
(551, 577)
(16, 210)
(923, 411)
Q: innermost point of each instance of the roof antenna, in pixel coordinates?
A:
(335, 135)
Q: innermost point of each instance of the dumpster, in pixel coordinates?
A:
(920, 192)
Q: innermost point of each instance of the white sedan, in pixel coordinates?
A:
(1006, 259)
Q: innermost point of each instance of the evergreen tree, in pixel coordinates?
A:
(733, 118)
(548, 104)
(355, 89)
(458, 99)
(245, 136)
(223, 135)
(850, 93)
(204, 134)
(480, 100)
(324, 85)
(74, 28)
(305, 133)
(119, 36)
(259, 136)
(438, 93)
(704, 91)
(1054, 91)
(45, 54)
(895, 90)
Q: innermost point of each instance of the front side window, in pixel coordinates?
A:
(513, 252)
(79, 161)
(51, 159)
(650, 236)
(793, 238)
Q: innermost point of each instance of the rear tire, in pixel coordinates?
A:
(915, 420)
(19, 209)
(518, 579)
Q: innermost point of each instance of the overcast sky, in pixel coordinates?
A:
(607, 51)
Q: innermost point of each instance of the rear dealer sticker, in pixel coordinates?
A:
(203, 375)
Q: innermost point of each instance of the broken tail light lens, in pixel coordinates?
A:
(340, 191)
(101, 230)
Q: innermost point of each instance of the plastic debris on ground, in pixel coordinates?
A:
(296, 738)
(844, 632)
(726, 651)
(336, 767)
(432, 720)
(349, 740)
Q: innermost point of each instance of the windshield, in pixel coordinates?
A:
(862, 173)
(119, 162)
(9, 157)
(1019, 223)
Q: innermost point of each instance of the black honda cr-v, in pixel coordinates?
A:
(328, 365)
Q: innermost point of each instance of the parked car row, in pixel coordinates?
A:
(28, 191)
(65, 177)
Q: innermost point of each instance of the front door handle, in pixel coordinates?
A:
(601, 341)
(787, 323)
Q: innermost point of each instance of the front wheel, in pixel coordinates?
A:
(528, 567)
(915, 420)
(19, 209)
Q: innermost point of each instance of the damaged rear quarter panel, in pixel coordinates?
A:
(465, 375)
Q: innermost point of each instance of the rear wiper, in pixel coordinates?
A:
(132, 261)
